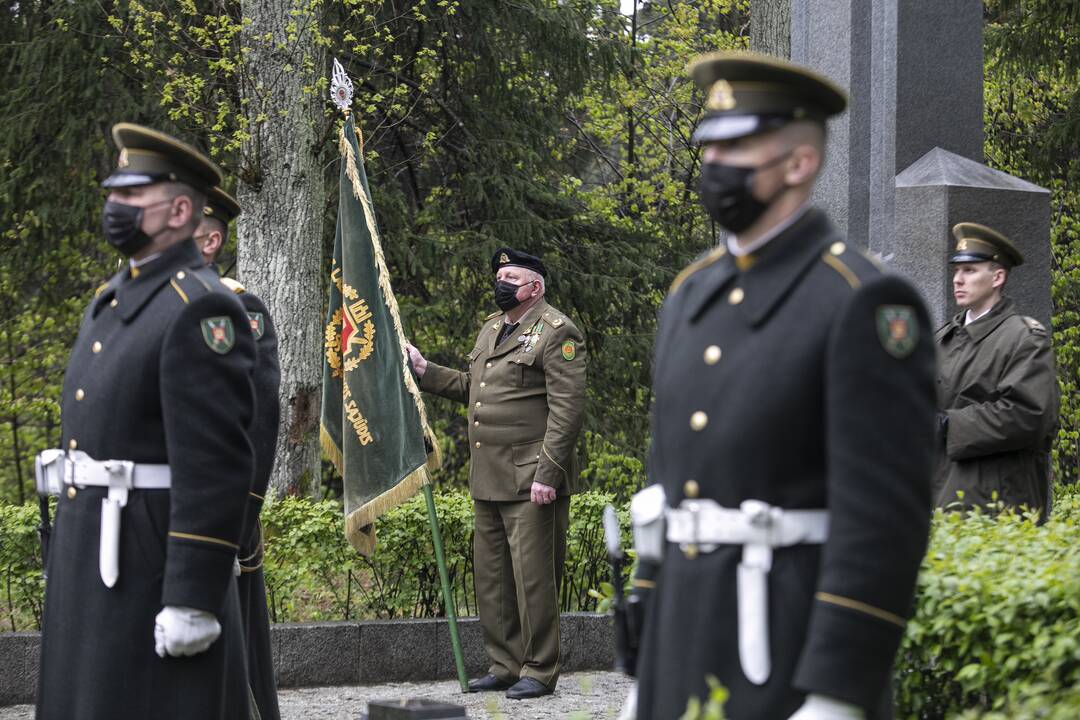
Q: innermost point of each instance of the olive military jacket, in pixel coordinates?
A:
(526, 404)
(801, 376)
(160, 373)
(998, 386)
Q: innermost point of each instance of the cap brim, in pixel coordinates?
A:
(126, 179)
(968, 257)
(730, 127)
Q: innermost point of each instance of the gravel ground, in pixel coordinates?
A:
(592, 695)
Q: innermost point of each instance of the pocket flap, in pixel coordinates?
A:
(526, 453)
(524, 358)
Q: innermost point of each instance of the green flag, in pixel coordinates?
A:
(373, 419)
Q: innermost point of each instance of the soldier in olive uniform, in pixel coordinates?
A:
(525, 389)
(792, 436)
(141, 612)
(997, 384)
(220, 210)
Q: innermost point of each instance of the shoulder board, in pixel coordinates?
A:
(493, 315)
(702, 262)
(233, 285)
(852, 264)
(101, 288)
(1034, 325)
(189, 284)
(555, 318)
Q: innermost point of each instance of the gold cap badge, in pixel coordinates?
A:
(721, 96)
(123, 161)
(504, 258)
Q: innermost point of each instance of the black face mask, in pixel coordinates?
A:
(506, 295)
(122, 225)
(727, 194)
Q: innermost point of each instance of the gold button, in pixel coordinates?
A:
(73, 444)
(489, 365)
(478, 444)
(96, 347)
(478, 403)
(837, 248)
(690, 551)
(698, 421)
(79, 394)
(483, 384)
(114, 302)
(712, 354)
(72, 492)
(180, 275)
(691, 489)
(736, 296)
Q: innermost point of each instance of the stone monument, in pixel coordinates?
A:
(905, 161)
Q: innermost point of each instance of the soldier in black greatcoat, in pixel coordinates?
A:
(793, 431)
(221, 209)
(141, 614)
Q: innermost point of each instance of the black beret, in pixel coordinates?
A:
(978, 243)
(747, 93)
(221, 205)
(508, 256)
(148, 157)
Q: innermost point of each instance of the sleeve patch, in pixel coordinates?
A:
(258, 324)
(898, 330)
(569, 350)
(218, 333)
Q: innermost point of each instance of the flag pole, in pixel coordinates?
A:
(448, 596)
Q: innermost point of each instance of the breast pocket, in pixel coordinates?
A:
(523, 370)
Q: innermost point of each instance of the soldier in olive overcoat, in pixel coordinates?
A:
(997, 384)
(525, 389)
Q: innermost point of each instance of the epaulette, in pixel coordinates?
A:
(1034, 325)
(702, 262)
(493, 315)
(235, 285)
(101, 288)
(842, 259)
(555, 319)
(190, 284)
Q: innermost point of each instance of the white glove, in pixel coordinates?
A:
(184, 631)
(629, 708)
(820, 707)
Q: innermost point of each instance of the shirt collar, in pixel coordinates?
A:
(739, 250)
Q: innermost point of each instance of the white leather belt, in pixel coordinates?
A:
(53, 469)
(702, 525)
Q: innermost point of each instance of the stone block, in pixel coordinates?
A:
(472, 648)
(308, 654)
(588, 642)
(398, 650)
(941, 189)
(21, 653)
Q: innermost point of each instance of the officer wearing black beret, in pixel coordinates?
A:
(997, 384)
(141, 612)
(792, 431)
(525, 392)
(221, 209)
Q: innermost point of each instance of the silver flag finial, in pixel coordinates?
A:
(341, 88)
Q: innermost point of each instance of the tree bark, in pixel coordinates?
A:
(282, 191)
(770, 27)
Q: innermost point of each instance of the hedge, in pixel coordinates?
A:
(995, 635)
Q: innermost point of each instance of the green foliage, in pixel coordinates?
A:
(20, 564)
(998, 615)
(712, 708)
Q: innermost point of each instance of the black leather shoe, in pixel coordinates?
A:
(527, 688)
(486, 683)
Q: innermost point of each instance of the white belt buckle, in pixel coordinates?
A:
(121, 474)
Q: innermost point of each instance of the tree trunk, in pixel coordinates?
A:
(770, 27)
(281, 188)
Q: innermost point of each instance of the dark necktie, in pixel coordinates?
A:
(507, 331)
